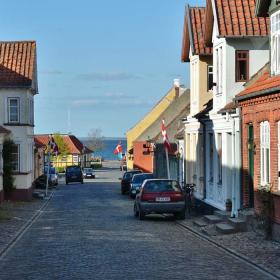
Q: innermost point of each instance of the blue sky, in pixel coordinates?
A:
(101, 64)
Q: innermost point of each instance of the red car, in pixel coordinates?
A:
(160, 196)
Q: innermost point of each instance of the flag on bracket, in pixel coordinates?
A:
(52, 147)
(118, 149)
(165, 136)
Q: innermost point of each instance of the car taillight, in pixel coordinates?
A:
(177, 197)
(145, 197)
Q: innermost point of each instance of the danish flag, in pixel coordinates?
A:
(165, 137)
(118, 149)
(52, 146)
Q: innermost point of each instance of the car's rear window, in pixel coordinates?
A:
(141, 178)
(162, 186)
(87, 169)
(128, 175)
(73, 169)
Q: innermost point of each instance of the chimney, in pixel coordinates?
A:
(176, 84)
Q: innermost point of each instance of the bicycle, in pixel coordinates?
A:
(189, 190)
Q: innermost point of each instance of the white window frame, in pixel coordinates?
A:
(275, 43)
(209, 72)
(18, 159)
(219, 70)
(219, 158)
(265, 152)
(75, 158)
(9, 109)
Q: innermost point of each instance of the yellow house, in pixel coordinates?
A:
(201, 83)
(78, 154)
(149, 119)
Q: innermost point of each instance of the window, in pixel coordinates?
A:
(242, 66)
(210, 77)
(265, 152)
(13, 110)
(31, 112)
(64, 158)
(211, 156)
(15, 158)
(275, 43)
(219, 154)
(219, 67)
(75, 158)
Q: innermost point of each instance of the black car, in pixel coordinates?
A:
(137, 181)
(74, 174)
(126, 180)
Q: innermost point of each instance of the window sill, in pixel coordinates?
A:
(19, 124)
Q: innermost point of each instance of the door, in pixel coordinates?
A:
(251, 148)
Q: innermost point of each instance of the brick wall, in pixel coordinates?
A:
(255, 111)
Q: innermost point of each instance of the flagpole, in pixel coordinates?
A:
(48, 172)
(167, 163)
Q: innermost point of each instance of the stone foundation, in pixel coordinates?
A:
(20, 194)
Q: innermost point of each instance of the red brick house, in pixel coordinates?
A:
(260, 117)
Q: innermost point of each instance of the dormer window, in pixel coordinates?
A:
(275, 43)
(242, 66)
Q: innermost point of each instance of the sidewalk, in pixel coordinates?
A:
(13, 217)
(250, 245)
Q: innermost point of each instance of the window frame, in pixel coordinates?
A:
(275, 43)
(210, 72)
(17, 161)
(211, 156)
(9, 109)
(219, 70)
(237, 69)
(220, 158)
(265, 153)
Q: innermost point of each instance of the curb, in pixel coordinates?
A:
(229, 251)
(24, 228)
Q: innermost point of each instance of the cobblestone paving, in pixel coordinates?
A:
(88, 232)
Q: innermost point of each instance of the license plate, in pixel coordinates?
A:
(133, 191)
(74, 177)
(162, 199)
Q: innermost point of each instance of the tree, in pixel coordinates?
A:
(63, 149)
(8, 178)
(95, 140)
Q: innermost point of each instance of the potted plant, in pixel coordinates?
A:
(228, 204)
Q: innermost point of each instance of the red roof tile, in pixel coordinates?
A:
(263, 83)
(237, 18)
(193, 33)
(75, 146)
(17, 63)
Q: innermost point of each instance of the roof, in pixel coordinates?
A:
(235, 18)
(260, 84)
(4, 130)
(75, 146)
(230, 107)
(17, 63)
(193, 33)
(204, 112)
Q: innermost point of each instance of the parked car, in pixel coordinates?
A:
(123, 166)
(126, 180)
(74, 174)
(88, 173)
(53, 177)
(137, 181)
(160, 196)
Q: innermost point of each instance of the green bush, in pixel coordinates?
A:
(96, 165)
(8, 178)
(60, 169)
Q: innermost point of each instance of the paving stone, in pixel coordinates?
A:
(212, 219)
(225, 228)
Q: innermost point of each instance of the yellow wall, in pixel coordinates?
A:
(142, 125)
(57, 162)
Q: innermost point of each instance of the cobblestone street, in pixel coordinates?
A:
(89, 232)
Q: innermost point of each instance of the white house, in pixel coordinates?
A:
(240, 48)
(18, 85)
(201, 83)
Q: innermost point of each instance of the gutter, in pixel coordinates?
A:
(257, 94)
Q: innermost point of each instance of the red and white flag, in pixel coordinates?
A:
(118, 149)
(165, 136)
